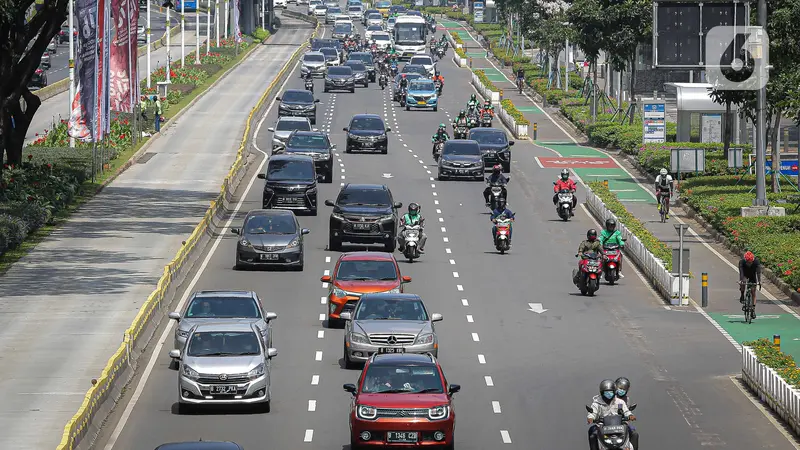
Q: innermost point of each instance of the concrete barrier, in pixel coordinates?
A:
(772, 389)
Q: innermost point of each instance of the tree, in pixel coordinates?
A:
(23, 40)
(587, 19)
(545, 22)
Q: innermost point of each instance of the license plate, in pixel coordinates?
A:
(402, 436)
(269, 257)
(391, 350)
(420, 103)
(367, 144)
(361, 226)
(462, 171)
(224, 389)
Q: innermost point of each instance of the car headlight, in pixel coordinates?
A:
(424, 339)
(256, 372)
(295, 243)
(358, 338)
(339, 293)
(189, 373)
(439, 412)
(324, 156)
(245, 242)
(393, 291)
(328, 80)
(351, 79)
(367, 412)
(389, 217)
(337, 216)
(311, 191)
(182, 333)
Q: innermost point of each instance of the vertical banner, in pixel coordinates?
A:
(122, 82)
(103, 52)
(83, 114)
(237, 29)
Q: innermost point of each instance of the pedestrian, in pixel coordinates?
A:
(158, 113)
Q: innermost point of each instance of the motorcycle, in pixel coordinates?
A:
(460, 132)
(498, 191)
(310, 85)
(502, 240)
(612, 255)
(472, 120)
(439, 52)
(612, 432)
(564, 204)
(587, 278)
(486, 119)
(411, 235)
(383, 81)
(438, 85)
(394, 69)
(402, 96)
(437, 150)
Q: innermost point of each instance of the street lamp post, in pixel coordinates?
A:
(168, 43)
(149, 45)
(71, 65)
(197, 34)
(208, 27)
(183, 34)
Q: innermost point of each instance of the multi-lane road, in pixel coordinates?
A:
(525, 376)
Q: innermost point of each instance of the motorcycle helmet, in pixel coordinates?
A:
(473, 98)
(404, 76)
(663, 172)
(749, 257)
(501, 203)
(413, 208)
(591, 236)
(623, 386)
(462, 113)
(565, 174)
(496, 169)
(611, 225)
(607, 390)
(442, 127)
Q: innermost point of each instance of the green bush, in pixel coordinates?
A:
(460, 53)
(652, 157)
(653, 244)
(486, 82)
(771, 356)
(456, 38)
(260, 34)
(512, 111)
(14, 231)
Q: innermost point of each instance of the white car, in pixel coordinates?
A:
(375, 19)
(313, 4)
(343, 18)
(330, 4)
(425, 61)
(332, 56)
(356, 12)
(279, 3)
(320, 11)
(372, 30)
(390, 24)
(382, 40)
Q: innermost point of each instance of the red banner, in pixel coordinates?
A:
(123, 71)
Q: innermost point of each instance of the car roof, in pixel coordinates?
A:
(388, 296)
(366, 116)
(241, 294)
(366, 256)
(295, 91)
(381, 33)
(200, 445)
(292, 119)
(411, 359)
(315, 53)
(232, 326)
(352, 62)
(270, 212)
(308, 133)
(285, 157)
(486, 130)
(461, 141)
(375, 27)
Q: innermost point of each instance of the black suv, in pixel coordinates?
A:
(367, 132)
(316, 145)
(367, 60)
(363, 214)
(298, 102)
(291, 183)
(495, 146)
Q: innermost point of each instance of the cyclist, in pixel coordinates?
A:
(520, 79)
(749, 272)
(663, 186)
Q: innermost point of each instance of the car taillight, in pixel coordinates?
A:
(38, 71)
(45, 54)
(61, 32)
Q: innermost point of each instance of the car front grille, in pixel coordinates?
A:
(406, 412)
(235, 378)
(418, 98)
(383, 338)
(269, 248)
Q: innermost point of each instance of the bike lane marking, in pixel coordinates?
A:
(764, 326)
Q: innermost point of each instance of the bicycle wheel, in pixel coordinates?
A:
(748, 311)
(663, 212)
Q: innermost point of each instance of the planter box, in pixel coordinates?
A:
(459, 61)
(771, 389)
(485, 92)
(518, 130)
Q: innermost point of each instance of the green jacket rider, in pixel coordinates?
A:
(612, 236)
(413, 217)
(441, 134)
(473, 102)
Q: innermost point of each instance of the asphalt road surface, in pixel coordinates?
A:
(525, 376)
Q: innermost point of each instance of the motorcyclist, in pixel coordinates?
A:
(564, 183)
(473, 102)
(590, 245)
(403, 82)
(460, 121)
(496, 177)
(487, 107)
(749, 272)
(520, 76)
(604, 405)
(502, 210)
(611, 235)
(623, 386)
(440, 136)
(383, 80)
(438, 77)
(413, 217)
(663, 185)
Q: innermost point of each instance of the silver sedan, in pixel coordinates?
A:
(389, 323)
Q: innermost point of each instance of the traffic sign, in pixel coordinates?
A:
(577, 163)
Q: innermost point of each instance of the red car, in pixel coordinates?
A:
(359, 273)
(403, 400)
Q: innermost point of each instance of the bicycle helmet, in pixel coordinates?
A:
(607, 390)
(623, 386)
(611, 225)
(565, 174)
(591, 236)
(749, 257)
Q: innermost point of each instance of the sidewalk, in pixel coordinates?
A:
(65, 305)
(775, 317)
(56, 108)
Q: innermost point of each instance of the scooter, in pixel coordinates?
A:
(498, 191)
(383, 81)
(310, 85)
(439, 52)
(472, 120)
(437, 150)
(486, 119)
(411, 234)
(612, 433)
(460, 132)
(612, 255)
(438, 85)
(502, 238)
(564, 204)
(587, 277)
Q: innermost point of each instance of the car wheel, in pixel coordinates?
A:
(354, 445)
(328, 178)
(435, 108)
(312, 212)
(173, 365)
(385, 151)
(353, 90)
(325, 89)
(313, 120)
(266, 407)
(334, 244)
(408, 108)
(334, 323)
(238, 264)
(390, 245)
(441, 177)
(348, 364)
(507, 167)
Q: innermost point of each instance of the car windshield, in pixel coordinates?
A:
(489, 137)
(314, 58)
(356, 66)
(355, 9)
(409, 76)
(380, 37)
(272, 224)
(421, 60)
(343, 27)
(334, 10)
(290, 125)
(320, 7)
(380, 309)
(307, 142)
(374, 28)
(375, 16)
(329, 52)
(341, 70)
(366, 58)
(288, 170)
(408, 68)
(387, 379)
(367, 123)
(298, 97)
(370, 270)
(363, 197)
(383, 4)
(422, 86)
(225, 343)
(453, 148)
(222, 307)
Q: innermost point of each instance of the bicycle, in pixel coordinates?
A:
(749, 306)
(520, 84)
(664, 210)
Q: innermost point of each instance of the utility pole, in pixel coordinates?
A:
(149, 44)
(169, 56)
(71, 64)
(761, 125)
(197, 34)
(183, 34)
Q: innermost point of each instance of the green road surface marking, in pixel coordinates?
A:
(448, 24)
(530, 109)
(763, 327)
(619, 182)
(463, 35)
(572, 150)
(476, 55)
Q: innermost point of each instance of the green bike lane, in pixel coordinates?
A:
(776, 314)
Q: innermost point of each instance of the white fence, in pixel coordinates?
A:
(485, 92)
(520, 131)
(771, 389)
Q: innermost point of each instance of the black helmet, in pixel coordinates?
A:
(497, 169)
(565, 174)
(591, 235)
(607, 390)
(611, 224)
(501, 203)
(623, 386)
(413, 208)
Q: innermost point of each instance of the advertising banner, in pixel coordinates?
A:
(83, 114)
(103, 65)
(122, 82)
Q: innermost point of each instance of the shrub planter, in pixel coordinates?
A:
(485, 92)
(520, 131)
(771, 388)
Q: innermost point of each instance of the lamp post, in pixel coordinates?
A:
(183, 33)
(197, 34)
(72, 65)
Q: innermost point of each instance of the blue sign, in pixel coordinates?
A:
(788, 168)
(477, 5)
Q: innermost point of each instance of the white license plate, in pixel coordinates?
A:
(269, 257)
(361, 226)
(402, 436)
(224, 389)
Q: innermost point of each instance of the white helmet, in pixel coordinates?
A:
(663, 172)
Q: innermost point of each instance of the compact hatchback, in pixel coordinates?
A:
(360, 72)
(461, 158)
(367, 132)
(270, 237)
(291, 183)
(363, 214)
(340, 78)
(402, 400)
(359, 273)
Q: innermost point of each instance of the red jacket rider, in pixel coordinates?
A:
(565, 183)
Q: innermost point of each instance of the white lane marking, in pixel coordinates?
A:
(496, 407)
(415, 156)
(399, 139)
(448, 251)
(327, 272)
(321, 334)
(309, 436)
(314, 380)
(481, 359)
(324, 285)
(341, 165)
(536, 158)
(163, 339)
(327, 259)
(452, 261)
(444, 230)
(342, 170)
(312, 405)
(470, 319)
(460, 287)
(438, 211)
(430, 178)
(475, 337)
(435, 194)
(322, 316)
(455, 274)
(341, 184)
(433, 185)
(464, 302)
(436, 202)
(429, 172)
(441, 219)
(322, 300)
(488, 380)
(506, 437)
(445, 239)
(318, 355)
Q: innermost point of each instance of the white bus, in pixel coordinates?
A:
(409, 36)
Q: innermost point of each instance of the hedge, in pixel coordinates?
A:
(771, 356)
(656, 247)
(486, 81)
(461, 53)
(512, 111)
(652, 157)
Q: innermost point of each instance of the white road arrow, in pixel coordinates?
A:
(536, 307)
(387, 175)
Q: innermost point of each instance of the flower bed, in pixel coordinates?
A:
(637, 228)
(771, 356)
(457, 38)
(512, 111)
(460, 53)
(485, 81)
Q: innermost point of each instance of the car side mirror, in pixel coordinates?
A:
(316, 100)
(589, 409)
(510, 142)
(272, 129)
(344, 129)
(272, 352)
(333, 147)
(454, 388)
(305, 231)
(436, 317)
(329, 203)
(278, 99)
(175, 354)
(235, 231)
(349, 387)
(398, 205)
(406, 279)
(388, 130)
(325, 279)
(270, 316)
(175, 316)
(262, 176)
(632, 407)
(346, 315)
